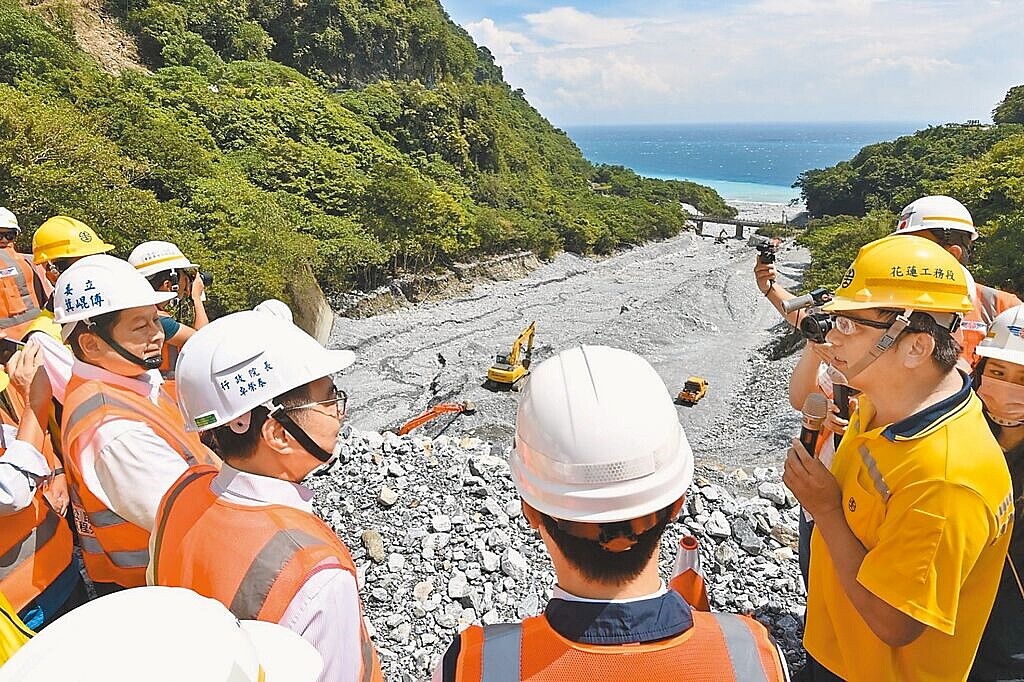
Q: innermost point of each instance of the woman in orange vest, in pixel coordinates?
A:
(123, 437)
(602, 466)
(247, 536)
(38, 573)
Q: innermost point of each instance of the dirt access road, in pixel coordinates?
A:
(687, 304)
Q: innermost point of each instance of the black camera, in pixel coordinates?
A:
(766, 251)
(207, 278)
(815, 325)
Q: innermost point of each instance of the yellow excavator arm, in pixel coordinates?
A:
(525, 338)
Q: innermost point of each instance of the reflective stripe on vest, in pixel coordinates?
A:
(20, 297)
(97, 401)
(26, 547)
(121, 559)
(500, 657)
(264, 570)
(742, 648)
(988, 298)
(504, 655)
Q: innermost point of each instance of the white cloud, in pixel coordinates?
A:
(571, 28)
(506, 46)
(766, 60)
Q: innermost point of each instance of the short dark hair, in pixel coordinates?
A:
(231, 445)
(947, 350)
(156, 281)
(601, 565)
(100, 324)
(947, 238)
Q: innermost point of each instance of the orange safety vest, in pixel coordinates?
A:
(720, 647)
(115, 550)
(254, 560)
(989, 303)
(22, 292)
(35, 543)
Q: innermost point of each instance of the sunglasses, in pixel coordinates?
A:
(9, 235)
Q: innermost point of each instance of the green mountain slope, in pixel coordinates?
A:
(981, 165)
(272, 138)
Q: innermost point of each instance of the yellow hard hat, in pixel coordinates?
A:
(64, 237)
(903, 271)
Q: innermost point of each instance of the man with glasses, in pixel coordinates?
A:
(23, 287)
(912, 520)
(247, 535)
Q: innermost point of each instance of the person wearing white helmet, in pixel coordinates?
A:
(167, 269)
(24, 288)
(999, 382)
(277, 308)
(947, 222)
(247, 535)
(602, 466)
(123, 437)
(161, 634)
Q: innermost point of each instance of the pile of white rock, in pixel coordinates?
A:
(438, 537)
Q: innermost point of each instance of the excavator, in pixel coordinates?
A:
(509, 370)
(434, 412)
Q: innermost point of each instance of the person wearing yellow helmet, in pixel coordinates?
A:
(911, 520)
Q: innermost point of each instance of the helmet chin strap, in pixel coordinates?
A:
(149, 363)
(885, 343)
(278, 414)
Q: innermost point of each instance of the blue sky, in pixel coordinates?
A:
(625, 61)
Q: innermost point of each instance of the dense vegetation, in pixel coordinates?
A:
(981, 165)
(274, 138)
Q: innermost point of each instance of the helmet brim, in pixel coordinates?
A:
(1004, 354)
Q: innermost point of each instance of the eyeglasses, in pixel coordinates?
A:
(9, 235)
(339, 401)
(848, 325)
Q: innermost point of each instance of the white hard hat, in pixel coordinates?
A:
(936, 212)
(100, 284)
(598, 439)
(245, 360)
(275, 307)
(161, 634)
(149, 258)
(8, 220)
(1004, 340)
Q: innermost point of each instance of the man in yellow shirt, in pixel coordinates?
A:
(913, 519)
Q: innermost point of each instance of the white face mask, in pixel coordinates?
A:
(1004, 401)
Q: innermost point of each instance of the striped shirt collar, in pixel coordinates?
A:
(931, 418)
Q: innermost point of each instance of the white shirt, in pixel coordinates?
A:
(21, 468)
(57, 362)
(325, 611)
(124, 463)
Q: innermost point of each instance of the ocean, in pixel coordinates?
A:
(742, 161)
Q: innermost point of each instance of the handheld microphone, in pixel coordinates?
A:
(815, 409)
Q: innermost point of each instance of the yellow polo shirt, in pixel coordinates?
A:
(930, 499)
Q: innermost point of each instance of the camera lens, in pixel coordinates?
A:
(816, 326)
(207, 278)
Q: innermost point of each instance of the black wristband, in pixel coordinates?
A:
(771, 285)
